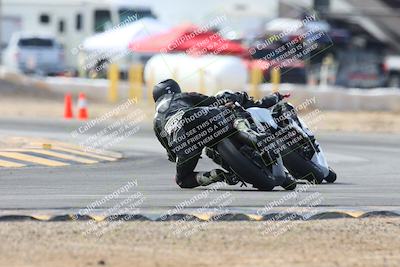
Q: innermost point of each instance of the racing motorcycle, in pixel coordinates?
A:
(252, 160)
(301, 153)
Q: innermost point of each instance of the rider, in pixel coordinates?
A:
(180, 120)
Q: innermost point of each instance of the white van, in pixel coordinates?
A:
(70, 21)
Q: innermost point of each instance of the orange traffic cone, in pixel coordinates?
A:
(68, 114)
(82, 107)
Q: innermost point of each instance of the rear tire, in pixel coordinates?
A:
(244, 167)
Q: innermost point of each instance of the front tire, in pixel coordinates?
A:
(302, 168)
(331, 178)
(289, 183)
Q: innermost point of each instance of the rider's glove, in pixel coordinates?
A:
(229, 104)
(282, 96)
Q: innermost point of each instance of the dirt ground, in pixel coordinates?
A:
(14, 107)
(378, 122)
(371, 122)
(36, 102)
(340, 242)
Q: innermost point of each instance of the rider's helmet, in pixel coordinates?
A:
(168, 86)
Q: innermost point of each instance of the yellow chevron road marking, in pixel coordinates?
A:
(58, 144)
(10, 164)
(355, 214)
(73, 151)
(105, 153)
(42, 217)
(34, 159)
(98, 218)
(203, 216)
(255, 217)
(63, 156)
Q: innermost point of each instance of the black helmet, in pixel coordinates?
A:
(168, 86)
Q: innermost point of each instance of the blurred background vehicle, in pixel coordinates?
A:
(292, 72)
(69, 20)
(392, 67)
(35, 53)
(345, 44)
(360, 68)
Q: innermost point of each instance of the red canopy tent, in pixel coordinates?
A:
(190, 39)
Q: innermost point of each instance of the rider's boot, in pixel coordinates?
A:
(246, 134)
(215, 175)
(230, 178)
(289, 183)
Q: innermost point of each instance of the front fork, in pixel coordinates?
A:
(311, 148)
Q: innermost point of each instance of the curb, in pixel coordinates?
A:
(206, 217)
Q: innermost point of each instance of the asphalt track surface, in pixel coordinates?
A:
(368, 168)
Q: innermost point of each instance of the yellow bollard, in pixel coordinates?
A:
(202, 82)
(113, 77)
(256, 78)
(136, 82)
(150, 84)
(327, 64)
(82, 64)
(275, 79)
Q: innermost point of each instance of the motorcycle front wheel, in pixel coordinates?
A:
(331, 178)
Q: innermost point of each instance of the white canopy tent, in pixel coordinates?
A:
(118, 39)
(283, 25)
(295, 25)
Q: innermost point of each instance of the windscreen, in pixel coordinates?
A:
(129, 14)
(41, 42)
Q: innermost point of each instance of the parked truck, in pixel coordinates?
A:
(35, 53)
(70, 21)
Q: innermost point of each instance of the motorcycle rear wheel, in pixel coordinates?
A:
(245, 167)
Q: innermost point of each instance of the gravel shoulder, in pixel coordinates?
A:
(346, 121)
(339, 242)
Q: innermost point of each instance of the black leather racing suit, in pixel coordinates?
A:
(182, 119)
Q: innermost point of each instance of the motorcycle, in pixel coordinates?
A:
(251, 160)
(301, 153)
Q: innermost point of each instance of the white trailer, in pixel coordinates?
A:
(71, 21)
